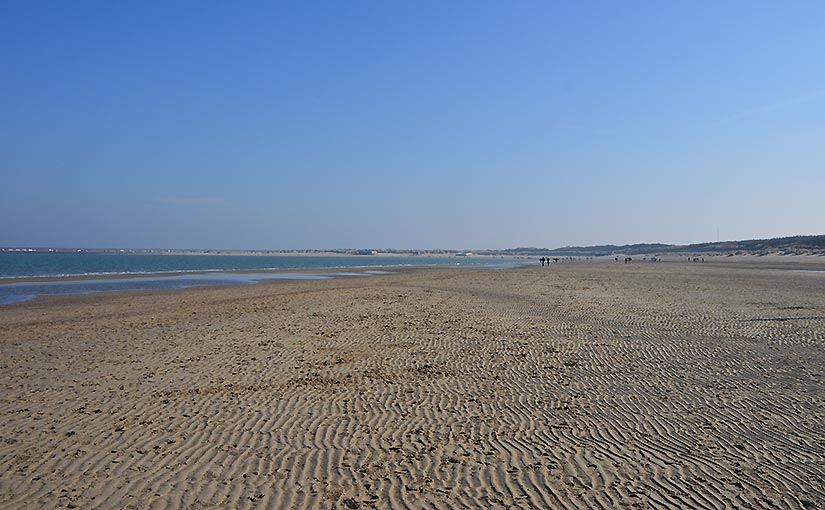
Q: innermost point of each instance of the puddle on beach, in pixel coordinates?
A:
(24, 291)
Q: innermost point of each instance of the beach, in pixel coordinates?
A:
(580, 385)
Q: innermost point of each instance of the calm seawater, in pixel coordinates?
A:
(16, 264)
(64, 264)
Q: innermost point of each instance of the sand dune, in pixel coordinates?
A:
(576, 386)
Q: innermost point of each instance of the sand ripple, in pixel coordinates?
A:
(572, 387)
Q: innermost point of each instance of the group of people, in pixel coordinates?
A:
(547, 260)
(628, 260)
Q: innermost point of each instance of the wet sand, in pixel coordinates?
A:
(669, 385)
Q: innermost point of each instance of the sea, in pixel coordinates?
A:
(100, 272)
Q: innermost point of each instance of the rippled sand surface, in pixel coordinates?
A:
(668, 385)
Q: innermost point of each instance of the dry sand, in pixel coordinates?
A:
(576, 386)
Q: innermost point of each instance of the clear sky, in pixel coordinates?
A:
(472, 125)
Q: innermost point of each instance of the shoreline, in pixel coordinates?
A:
(50, 285)
(90, 265)
(45, 288)
(784, 260)
(811, 263)
(165, 273)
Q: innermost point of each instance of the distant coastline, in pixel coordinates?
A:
(793, 245)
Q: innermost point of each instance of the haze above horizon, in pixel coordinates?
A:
(428, 125)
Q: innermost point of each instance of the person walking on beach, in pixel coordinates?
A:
(542, 261)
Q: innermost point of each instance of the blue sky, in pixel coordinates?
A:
(409, 125)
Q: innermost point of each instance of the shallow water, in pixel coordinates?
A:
(37, 264)
(25, 291)
(214, 267)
